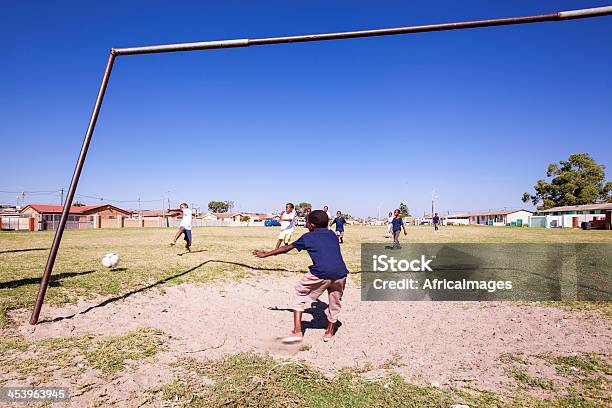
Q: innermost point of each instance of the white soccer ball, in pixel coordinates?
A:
(110, 260)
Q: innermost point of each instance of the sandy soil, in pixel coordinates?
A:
(445, 344)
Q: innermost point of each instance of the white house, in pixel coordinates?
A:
(208, 217)
(456, 219)
(501, 217)
(572, 216)
(492, 217)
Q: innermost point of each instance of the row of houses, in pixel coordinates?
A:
(492, 217)
(597, 215)
(37, 217)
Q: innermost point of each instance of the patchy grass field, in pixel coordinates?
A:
(146, 257)
(73, 356)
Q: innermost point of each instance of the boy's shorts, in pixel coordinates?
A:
(285, 236)
(187, 233)
(310, 288)
(340, 234)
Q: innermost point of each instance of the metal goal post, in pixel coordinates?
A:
(209, 45)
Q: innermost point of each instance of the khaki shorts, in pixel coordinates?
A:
(310, 288)
(285, 236)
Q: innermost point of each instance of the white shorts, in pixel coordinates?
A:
(285, 236)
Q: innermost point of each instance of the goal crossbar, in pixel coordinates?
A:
(209, 45)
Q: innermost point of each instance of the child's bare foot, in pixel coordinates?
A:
(293, 337)
(329, 332)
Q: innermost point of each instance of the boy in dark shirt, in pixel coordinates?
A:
(327, 272)
(339, 221)
(436, 221)
(398, 224)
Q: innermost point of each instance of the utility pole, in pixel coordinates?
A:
(62, 197)
(433, 198)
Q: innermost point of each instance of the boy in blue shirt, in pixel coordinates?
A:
(327, 273)
(339, 221)
(398, 224)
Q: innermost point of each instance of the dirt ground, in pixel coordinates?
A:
(447, 344)
(220, 300)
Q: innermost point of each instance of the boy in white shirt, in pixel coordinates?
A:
(184, 227)
(287, 220)
(389, 225)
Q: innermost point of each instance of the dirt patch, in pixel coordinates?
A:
(429, 343)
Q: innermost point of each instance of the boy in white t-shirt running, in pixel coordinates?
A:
(184, 227)
(287, 220)
(389, 225)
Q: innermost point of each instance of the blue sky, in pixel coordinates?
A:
(357, 124)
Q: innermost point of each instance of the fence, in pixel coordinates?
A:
(15, 223)
(51, 221)
(25, 222)
(197, 222)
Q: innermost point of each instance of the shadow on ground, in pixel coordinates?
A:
(53, 281)
(161, 282)
(12, 251)
(317, 311)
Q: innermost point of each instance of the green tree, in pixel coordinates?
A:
(218, 206)
(404, 211)
(577, 180)
(300, 209)
(78, 204)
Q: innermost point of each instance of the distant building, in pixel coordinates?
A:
(166, 213)
(208, 217)
(254, 216)
(501, 217)
(376, 221)
(572, 216)
(228, 217)
(12, 220)
(492, 217)
(48, 216)
(456, 219)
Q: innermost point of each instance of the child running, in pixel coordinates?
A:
(327, 272)
(184, 227)
(287, 221)
(398, 224)
(389, 225)
(339, 221)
